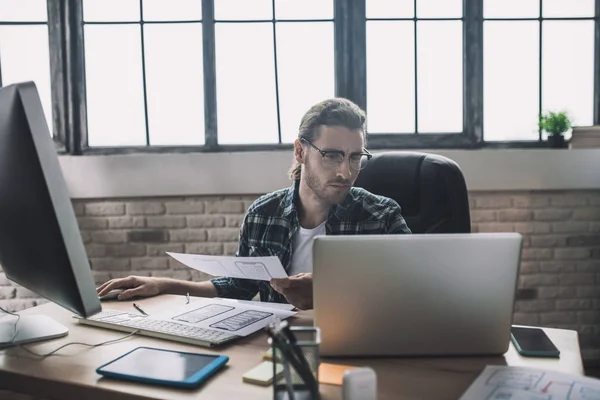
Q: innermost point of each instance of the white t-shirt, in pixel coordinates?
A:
(302, 250)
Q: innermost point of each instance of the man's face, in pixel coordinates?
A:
(331, 183)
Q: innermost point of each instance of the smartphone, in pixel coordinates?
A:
(533, 342)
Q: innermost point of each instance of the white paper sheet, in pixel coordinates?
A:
(224, 315)
(524, 383)
(256, 268)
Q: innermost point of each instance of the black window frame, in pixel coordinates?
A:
(65, 24)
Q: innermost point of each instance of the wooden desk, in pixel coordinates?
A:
(72, 375)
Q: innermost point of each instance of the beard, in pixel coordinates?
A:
(322, 188)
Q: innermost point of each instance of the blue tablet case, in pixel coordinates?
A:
(155, 366)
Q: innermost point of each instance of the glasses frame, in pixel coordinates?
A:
(324, 153)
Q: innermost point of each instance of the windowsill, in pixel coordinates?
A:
(239, 173)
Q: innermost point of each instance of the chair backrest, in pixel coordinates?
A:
(430, 189)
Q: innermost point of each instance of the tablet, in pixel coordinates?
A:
(163, 367)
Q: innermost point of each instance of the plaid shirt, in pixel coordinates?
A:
(270, 223)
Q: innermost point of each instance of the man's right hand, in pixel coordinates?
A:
(141, 286)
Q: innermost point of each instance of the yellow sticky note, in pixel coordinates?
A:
(262, 374)
(333, 374)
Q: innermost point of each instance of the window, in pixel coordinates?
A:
(24, 50)
(229, 75)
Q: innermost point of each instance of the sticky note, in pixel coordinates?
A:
(262, 374)
(333, 374)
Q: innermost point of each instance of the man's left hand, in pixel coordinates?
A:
(296, 289)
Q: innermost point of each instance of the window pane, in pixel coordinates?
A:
(390, 77)
(303, 81)
(173, 10)
(111, 10)
(174, 82)
(19, 10)
(511, 8)
(246, 105)
(439, 8)
(390, 8)
(439, 75)
(568, 74)
(243, 9)
(31, 65)
(568, 8)
(304, 9)
(511, 80)
(114, 87)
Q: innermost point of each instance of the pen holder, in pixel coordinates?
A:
(289, 384)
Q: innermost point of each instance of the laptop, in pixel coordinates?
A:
(415, 295)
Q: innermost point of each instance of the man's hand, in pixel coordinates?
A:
(297, 290)
(140, 286)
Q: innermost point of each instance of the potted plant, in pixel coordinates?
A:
(555, 124)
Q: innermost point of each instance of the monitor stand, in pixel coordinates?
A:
(30, 328)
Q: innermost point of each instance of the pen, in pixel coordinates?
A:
(139, 309)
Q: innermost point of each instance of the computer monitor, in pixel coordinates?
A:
(40, 243)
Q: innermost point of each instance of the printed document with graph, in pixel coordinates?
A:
(525, 383)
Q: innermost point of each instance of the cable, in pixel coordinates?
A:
(64, 345)
(16, 322)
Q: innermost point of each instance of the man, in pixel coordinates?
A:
(328, 155)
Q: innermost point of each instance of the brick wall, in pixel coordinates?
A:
(559, 284)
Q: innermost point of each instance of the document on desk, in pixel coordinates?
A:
(256, 268)
(525, 383)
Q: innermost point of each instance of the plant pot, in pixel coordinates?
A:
(557, 142)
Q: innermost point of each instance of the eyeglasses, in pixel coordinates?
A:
(334, 158)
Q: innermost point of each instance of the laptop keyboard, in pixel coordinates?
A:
(174, 329)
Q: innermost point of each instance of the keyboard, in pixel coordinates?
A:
(159, 328)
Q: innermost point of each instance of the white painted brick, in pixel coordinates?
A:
(7, 292)
(569, 200)
(92, 223)
(575, 279)
(532, 227)
(125, 274)
(558, 317)
(4, 280)
(198, 276)
(557, 266)
(492, 201)
(588, 291)
(571, 254)
(104, 209)
(149, 263)
(483, 215)
(543, 305)
(532, 201)
(588, 317)
(206, 221)
(14, 305)
(126, 222)
(594, 199)
(230, 249)
(95, 250)
(573, 304)
(529, 267)
(78, 208)
(109, 237)
(176, 265)
(211, 249)
(180, 275)
(234, 221)
(145, 208)
(587, 214)
(249, 203)
(537, 280)
(552, 214)
(585, 239)
(23, 293)
(188, 235)
(496, 227)
(548, 240)
(185, 207)
(520, 318)
(169, 222)
(557, 292)
(225, 207)
(86, 236)
(588, 266)
(161, 249)
(100, 277)
(526, 241)
(595, 227)
(223, 235)
(515, 215)
(110, 264)
(125, 250)
(471, 202)
(536, 254)
(570, 226)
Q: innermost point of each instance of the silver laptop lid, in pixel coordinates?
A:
(436, 294)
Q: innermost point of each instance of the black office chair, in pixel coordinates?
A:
(430, 189)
